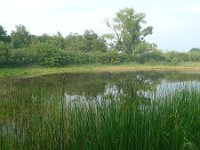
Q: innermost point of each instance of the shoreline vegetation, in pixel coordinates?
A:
(27, 72)
(91, 110)
(40, 117)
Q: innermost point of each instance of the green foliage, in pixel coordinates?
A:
(3, 35)
(20, 38)
(93, 42)
(54, 42)
(195, 50)
(194, 56)
(22, 57)
(128, 30)
(74, 42)
(2, 55)
(115, 57)
(147, 52)
(88, 42)
(176, 57)
(4, 46)
(59, 40)
(42, 54)
(125, 44)
(40, 117)
(51, 57)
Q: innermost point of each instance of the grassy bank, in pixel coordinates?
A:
(40, 122)
(36, 71)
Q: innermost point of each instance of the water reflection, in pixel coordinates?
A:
(167, 88)
(110, 92)
(42, 97)
(98, 86)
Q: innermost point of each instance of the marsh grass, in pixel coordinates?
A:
(33, 119)
(27, 72)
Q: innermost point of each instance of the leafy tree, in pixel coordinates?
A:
(4, 46)
(20, 38)
(56, 41)
(195, 50)
(44, 38)
(3, 35)
(88, 42)
(74, 41)
(128, 30)
(90, 35)
(194, 56)
(93, 42)
(59, 40)
(145, 52)
(114, 57)
(110, 42)
(175, 57)
(144, 47)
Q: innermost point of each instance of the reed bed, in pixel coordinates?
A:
(33, 119)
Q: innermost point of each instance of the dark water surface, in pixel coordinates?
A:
(28, 103)
(150, 85)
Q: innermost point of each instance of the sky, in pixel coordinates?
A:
(176, 22)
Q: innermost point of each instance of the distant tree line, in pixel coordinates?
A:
(125, 43)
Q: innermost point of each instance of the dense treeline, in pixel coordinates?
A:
(125, 44)
(21, 48)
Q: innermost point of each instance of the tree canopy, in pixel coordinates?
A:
(21, 37)
(3, 35)
(195, 50)
(128, 30)
(125, 43)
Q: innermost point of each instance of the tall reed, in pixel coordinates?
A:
(32, 119)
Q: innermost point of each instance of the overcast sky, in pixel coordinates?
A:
(176, 22)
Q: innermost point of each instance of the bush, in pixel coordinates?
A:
(155, 56)
(147, 52)
(62, 58)
(22, 57)
(194, 56)
(3, 53)
(176, 57)
(114, 57)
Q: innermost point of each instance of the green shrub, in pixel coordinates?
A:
(147, 52)
(194, 56)
(63, 58)
(22, 57)
(114, 57)
(176, 57)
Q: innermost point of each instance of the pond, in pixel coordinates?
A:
(101, 111)
(151, 85)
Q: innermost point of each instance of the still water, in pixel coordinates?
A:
(32, 97)
(34, 109)
(93, 87)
